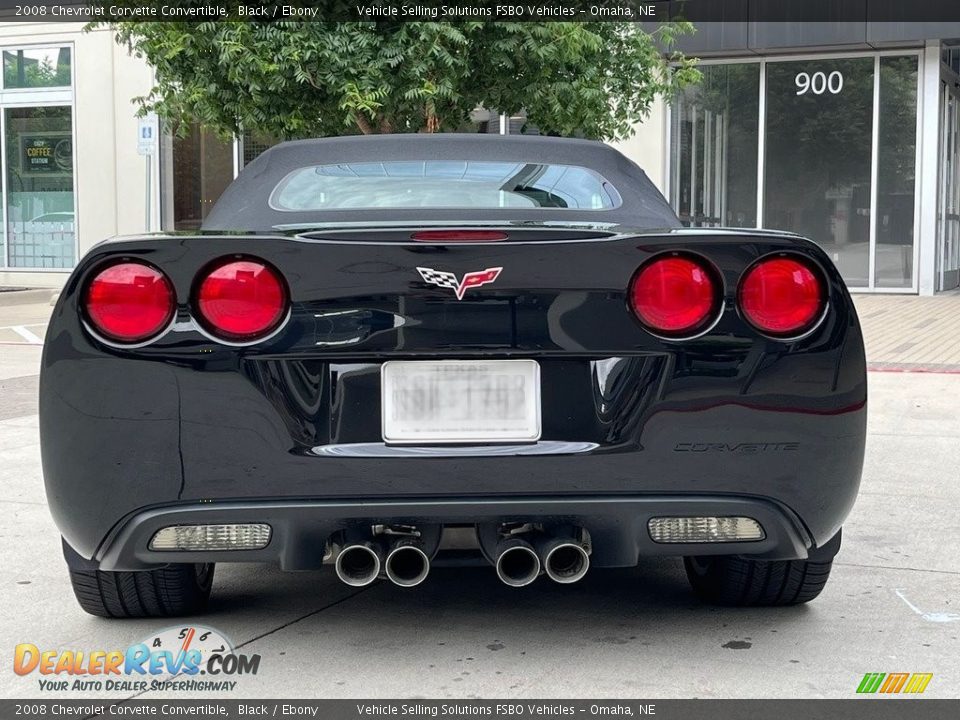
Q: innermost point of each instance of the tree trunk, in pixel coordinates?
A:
(365, 127)
(432, 124)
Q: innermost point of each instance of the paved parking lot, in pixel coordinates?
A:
(893, 604)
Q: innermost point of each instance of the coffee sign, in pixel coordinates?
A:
(46, 154)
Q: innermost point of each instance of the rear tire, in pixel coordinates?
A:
(170, 591)
(736, 581)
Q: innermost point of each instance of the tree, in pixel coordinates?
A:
(298, 79)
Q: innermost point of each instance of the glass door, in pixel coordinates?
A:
(948, 220)
(701, 194)
(714, 148)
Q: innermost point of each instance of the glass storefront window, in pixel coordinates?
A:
(948, 201)
(819, 134)
(36, 67)
(255, 143)
(896, 172)
(714, 147)
(202, 169)
(818, 159)
(39, 180)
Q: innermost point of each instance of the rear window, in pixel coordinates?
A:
(475, 184)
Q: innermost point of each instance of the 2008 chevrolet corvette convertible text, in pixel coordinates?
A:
(383, 353)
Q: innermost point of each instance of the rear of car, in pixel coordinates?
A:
(384, 352)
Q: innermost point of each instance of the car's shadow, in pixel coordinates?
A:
(614, 606)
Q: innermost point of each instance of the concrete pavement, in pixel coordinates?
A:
(891, 606)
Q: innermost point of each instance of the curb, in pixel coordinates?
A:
(27, 297)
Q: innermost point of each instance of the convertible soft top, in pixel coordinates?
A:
(246, 203)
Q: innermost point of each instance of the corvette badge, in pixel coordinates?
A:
(459, 287)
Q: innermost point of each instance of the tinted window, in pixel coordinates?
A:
(443, 184)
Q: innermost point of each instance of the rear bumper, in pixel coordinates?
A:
(301, 529)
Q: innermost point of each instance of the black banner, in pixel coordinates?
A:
(697, 11)
(874, 708)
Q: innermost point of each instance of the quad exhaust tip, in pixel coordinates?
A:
(517, 563)
(359, 564)
(566, 562)
(407, 565)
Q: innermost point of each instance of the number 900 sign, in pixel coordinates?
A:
(819, 83)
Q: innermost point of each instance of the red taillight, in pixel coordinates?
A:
(241, 300)
(129, 302)
(675, 295)
(782, 296)
(458, 236)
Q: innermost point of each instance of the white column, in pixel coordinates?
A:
(929, 107)
(761, 141)
(874, 173)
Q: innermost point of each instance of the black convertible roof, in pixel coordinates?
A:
(244, 205)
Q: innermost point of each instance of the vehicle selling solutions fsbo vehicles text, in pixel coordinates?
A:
(500, 10)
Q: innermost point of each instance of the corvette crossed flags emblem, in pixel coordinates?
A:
(459, 287)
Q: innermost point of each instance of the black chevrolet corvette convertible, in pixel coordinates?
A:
(386, 353)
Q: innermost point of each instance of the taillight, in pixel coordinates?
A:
(782, 296)
(675, 295)
(129, 302)
(458, 236)
(241, 300)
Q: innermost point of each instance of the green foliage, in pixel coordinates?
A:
(298, 79)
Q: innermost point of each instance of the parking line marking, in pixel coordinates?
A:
(938, 617)
(27, 335)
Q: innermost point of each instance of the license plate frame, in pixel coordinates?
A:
(463, 430)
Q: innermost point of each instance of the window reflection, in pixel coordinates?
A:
(36, 67)
(896, 171)
(448, 184)
(202, 169)
(818, 157)
(714, 147)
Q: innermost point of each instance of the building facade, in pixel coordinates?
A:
(70, 175)
(846, 133)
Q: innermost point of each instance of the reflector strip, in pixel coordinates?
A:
(252, 536)
(704, 529)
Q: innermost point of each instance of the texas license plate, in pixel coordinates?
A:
(460, 401)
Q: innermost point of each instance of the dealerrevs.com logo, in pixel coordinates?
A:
(192, 658)
(894, 683)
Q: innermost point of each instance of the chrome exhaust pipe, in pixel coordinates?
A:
(517, 562)
(564, 560)
(407, 565)
(359, 564)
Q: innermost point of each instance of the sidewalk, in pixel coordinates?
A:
(908, 333)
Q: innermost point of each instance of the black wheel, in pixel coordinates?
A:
(168, 592)
(732, 580)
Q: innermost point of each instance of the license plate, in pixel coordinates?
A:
(460, 401)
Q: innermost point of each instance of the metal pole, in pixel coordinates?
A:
(147, 214)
